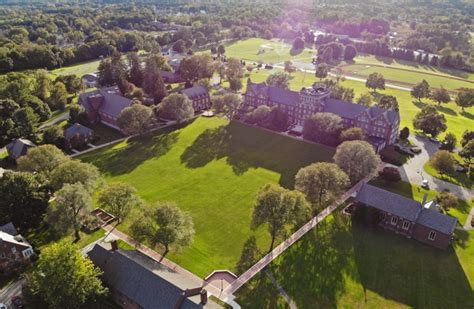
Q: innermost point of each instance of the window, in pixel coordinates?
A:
(13, 250)
(406, 225)
(432, 235)
(394, 220)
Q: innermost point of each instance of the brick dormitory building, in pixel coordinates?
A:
(380, 125)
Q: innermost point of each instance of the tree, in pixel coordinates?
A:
(365, 99)
(440, 95)
(119, 199)
(53, 135)
(375, 81)
(322, 71)
(153, 83)
(64, 277)
(177, 107)
(467, 152)
(322, 183)
(404, 133)
(443, 161)
(289, 67)
(221, 50)
(430, 121)
(71, 205)
(467, 136)
(465, 98)
(391, 174)
(235, 83)
(227, 104)
(196, 67)
(26, 122)
(388, 102)
(77, 113)
(72, 82)
(275, 207)
(352, 134)
(298, 43)
(357, 159)
(135, 119)
(167, 226)
(179, 46)
(323, 128)
(447, 200)
(340, 92)
(279, 79)
(74, 171)
(421, 90)
(135, 75)
(327, 55)
(234, 69)
(105, 75)
(43, 85)
(350, 52)
(41, 159)
(449, 142)
(23, 200)
(58, 98)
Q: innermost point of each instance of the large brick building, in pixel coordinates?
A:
(380, 125)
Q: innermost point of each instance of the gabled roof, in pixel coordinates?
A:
(9, 228)
(194, 91)
(77, 129)
(389, 202)
(146, 282)
(18, 147)
(16, 240)
(113, 102)
(283, 96)
(406, 208)
(437, 221)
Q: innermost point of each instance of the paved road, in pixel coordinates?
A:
(309, 68)
(413, 172)
(12, 290)
(60, 118)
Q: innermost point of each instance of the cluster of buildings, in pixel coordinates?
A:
(380, 125)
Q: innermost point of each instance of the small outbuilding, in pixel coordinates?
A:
(89, 80)
(19, 147)
(77, 135)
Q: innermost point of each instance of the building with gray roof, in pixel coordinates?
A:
(408, 217)
(199, 96)
(136, 281)
(19, 147)
(380, 125)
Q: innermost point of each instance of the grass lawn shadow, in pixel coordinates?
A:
(468, 115)
(245, 147)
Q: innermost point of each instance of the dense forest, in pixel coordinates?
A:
(51, 35)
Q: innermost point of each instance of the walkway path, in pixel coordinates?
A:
(267, 259)
(55, 120)
(280, 289)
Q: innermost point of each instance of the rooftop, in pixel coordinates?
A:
(76, 129)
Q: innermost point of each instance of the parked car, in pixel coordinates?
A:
(2, 306)
(415, 150)
(425, 184)
(17, 302)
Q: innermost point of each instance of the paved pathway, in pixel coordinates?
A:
(280, 289)
(60, 118)
(11, 290)
(267, 259)
(412, 171)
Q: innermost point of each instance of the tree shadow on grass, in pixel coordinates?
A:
(245, 147)
(446, 110)
(468, 115)
(312, 271)
(138, 150)
(409, 272)
(260, 293)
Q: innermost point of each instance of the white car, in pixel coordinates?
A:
(2, 306)
(425, 184)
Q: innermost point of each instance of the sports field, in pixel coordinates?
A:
(212, 169)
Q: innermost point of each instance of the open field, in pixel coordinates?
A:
(78, 69)
(342, 264)
(212, 169)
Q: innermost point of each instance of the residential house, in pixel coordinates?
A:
(380, 125)
(9, 228)
(200, 97)
(89, 80)
(77, 135)
(19, 147)
(14, 249)
(408, 217)
(104, 105)
(171, 77)
(136, 281)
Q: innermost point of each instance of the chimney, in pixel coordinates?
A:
(203, 297)
(425, 197)
(114, 245)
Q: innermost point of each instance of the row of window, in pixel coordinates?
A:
(406, 225)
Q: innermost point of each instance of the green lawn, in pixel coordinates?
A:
(78, 69)
(212, 169)
(460, 179)
(342, 264)
(457, 120)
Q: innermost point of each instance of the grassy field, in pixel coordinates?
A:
(457, 120)
(78, 69)
(460, 179)
(212, 169)
(342, 264)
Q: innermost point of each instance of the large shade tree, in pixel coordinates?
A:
(42, 159)
(430, 121)
(136, 119)
(119, 199)
(74, 171)
(176, 107)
